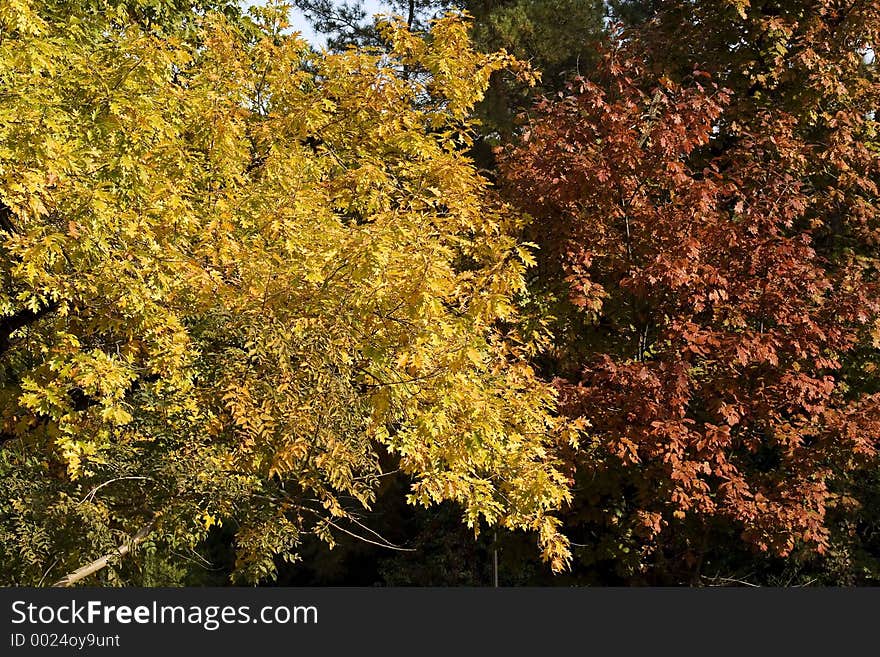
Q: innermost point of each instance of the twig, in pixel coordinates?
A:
(367, 540)
(91, 494)
(48, 570)
(732, 580)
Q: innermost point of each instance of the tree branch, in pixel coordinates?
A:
(25, 317)
(103, 562)
(6, 219)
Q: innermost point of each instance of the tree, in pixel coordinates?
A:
(347, 23)
(236, 273)
(813, 63)
(709, 319)
(557, 38)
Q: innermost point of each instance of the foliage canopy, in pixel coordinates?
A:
(240, 279)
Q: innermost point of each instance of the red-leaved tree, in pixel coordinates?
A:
(712, 317)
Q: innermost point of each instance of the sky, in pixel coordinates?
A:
(301, 25)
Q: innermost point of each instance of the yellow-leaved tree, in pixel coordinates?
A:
(237, 272)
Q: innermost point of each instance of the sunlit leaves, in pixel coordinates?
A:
(245, 267)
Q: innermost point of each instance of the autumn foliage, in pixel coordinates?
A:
(244, 280)
(251, 291)
(719, 251)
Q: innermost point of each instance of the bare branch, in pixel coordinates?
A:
(91, 494)
(367, 540)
